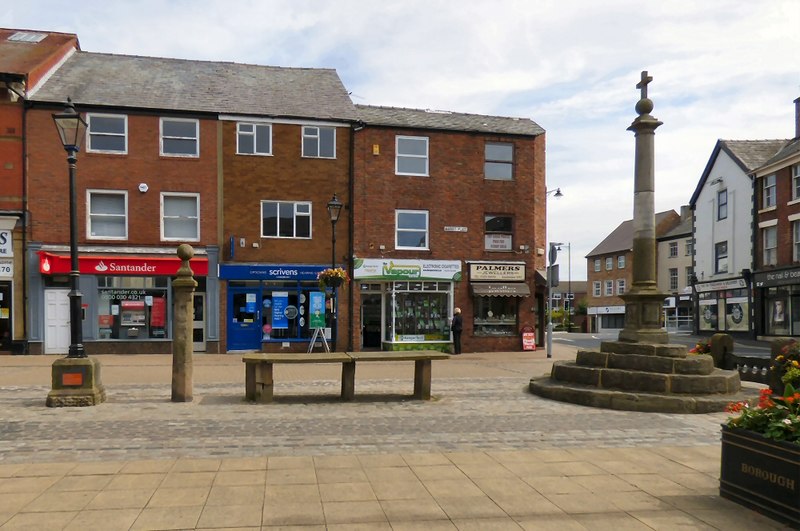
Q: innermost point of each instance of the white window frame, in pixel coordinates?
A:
(609, 263)
(609, 291)
(397, 229)
(597, 289)
(768, 197)
(796, 241)
(673, 249)
(399, 155)
(314, 132)
(620, 286)
(255, 134)
(621, 261)
(597, 265)
(689, 247)
(295, 215)
(770, 249)
(90, 133)
(673, 278)
(89, 215)
(164, 196)
(689, 276)
(196, 138)
(796, 182)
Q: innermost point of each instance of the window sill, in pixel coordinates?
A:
(768, 209)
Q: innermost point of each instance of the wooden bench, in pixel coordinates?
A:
(259, 378)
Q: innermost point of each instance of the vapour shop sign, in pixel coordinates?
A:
(375, 269)
(495, 271)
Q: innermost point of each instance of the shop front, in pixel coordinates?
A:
(498, 292)
(723, 306)
(269, 306)
(777, 302)
(406, 304)
(126, 301)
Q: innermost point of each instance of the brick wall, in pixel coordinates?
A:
(455, 194)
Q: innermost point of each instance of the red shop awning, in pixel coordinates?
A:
(135, 265)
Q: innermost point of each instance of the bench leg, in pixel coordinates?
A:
(250, 381)
(422, 379)
(348, 380)
(263, 382)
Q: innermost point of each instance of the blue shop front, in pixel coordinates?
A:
(269, 306)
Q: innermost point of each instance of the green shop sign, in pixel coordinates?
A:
(379, 269)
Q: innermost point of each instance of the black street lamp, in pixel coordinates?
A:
(76, 378)
(71, 129)
(334, 209)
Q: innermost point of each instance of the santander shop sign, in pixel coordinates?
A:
(56, 264)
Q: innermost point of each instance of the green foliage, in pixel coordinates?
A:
(775, 417)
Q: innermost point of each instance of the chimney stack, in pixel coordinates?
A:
(797, 118)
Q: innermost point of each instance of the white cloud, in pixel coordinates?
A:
(721, 68)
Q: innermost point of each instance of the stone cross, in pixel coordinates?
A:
(643, 83)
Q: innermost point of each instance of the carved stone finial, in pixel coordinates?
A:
(645, 104)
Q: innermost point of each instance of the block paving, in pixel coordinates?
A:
(483, 454)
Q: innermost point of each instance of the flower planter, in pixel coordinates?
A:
(333, 282)
(761, 474)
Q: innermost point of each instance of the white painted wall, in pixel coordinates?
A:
(736, 229)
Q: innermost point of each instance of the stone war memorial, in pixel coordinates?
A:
(642, 371)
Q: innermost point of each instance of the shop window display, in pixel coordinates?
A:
(495, 316)
(132, 308)
(419, 311)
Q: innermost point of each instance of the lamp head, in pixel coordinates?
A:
(334, 209)
(71, 127)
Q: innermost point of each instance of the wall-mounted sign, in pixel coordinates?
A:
(451, 228)
(54, 264)
(498, 242)
(385, 269)
(6, 268)
(6, 244)
(497, 271)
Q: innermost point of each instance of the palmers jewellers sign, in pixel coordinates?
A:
(56, 264)
(497, 271)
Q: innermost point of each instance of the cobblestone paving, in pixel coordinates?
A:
(140, 422)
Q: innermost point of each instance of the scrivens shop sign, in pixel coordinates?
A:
(56, 264)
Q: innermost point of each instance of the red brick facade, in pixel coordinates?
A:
(455, 193)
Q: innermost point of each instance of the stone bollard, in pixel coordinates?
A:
(183, 291)
(721, 348)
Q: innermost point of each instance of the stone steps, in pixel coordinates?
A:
(642, 377)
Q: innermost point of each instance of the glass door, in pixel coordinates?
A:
(244, 319)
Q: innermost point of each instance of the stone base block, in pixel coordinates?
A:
(76, 383)
(646, 349)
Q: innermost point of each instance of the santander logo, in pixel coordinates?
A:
(101, 267)
(46, 266)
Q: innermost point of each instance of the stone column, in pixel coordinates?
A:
(183, 291)
(643, 302)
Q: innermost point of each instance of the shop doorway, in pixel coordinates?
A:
(199, 323)
(244, 319)
(56, 321)
(6, 325)
(371, 321)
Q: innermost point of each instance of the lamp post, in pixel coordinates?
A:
(334, 209)
(552, 260)
(76, 378)
(552, 256)
(71, 130)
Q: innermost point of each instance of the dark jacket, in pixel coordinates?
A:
(457, 323)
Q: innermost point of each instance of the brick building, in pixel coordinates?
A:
(609, 273)
(449, 211)
(26, 57)
(776, 249)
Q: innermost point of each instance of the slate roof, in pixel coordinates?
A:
(621, 238)
(154, 83)
(445, 120)
(682, 229)
(747, 154)
(790, 149)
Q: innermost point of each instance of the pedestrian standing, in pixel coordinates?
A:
(456, 326)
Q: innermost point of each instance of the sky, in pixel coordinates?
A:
(725, 69)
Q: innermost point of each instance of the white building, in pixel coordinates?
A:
(722, 225)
